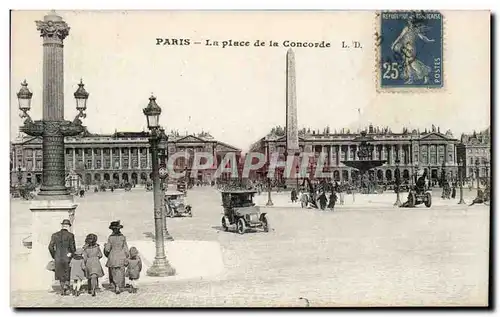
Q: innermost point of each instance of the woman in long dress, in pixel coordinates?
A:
(116, 249)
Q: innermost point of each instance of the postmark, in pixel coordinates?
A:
(410, 50)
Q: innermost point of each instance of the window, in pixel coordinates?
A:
(98, 164)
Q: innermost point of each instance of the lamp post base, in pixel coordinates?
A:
(461, 202)
(160, 268)
(167, 236)
(269, 203)
(397, 203)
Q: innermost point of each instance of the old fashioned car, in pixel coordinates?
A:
(175, 204)
(241, 211)
(417, 196)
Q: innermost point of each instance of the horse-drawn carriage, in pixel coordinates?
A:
(240, 210)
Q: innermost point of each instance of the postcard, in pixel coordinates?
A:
(250, 158)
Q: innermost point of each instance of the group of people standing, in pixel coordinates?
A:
(73, 265)
(318, 199)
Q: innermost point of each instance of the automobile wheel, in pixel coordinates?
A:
(412, 200)
(265, 223)
(225, 224)
(428, 200)
(241, 226)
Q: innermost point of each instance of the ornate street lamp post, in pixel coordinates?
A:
(398, 182)
(54, 201)
(162, 147)
(269, 200)
(161, 266)
(460, 174)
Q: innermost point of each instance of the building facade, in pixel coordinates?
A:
(475, 152)
(117, 158)
(428, 150)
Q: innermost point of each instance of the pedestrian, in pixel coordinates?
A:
(332, 200)
(341, 195)
(454, 191)
(116, 250)
(293, 195)
(479, 199)
(322, 200)
(93, 269)
(61, 248)
(134, 268)
(303, 200)
(77, 265)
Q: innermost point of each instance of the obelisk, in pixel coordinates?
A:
(292, 133)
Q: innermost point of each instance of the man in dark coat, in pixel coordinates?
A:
(61, 248)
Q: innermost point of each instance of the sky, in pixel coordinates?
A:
(238, 93)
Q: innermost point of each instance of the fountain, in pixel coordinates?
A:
(365, 162)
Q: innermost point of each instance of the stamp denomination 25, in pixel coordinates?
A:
(411, 49)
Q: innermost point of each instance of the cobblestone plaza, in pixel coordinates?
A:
(366, 252)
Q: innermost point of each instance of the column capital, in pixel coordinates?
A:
(53, 28)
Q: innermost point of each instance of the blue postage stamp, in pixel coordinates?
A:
(411, 49)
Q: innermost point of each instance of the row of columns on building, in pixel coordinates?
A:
(380, 152)
(390, 153)
(148, 158)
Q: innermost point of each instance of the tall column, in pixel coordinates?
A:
(74, 158)
(54, 202)
(332, 162)
(446, 154)
(83, 157)
(382, 152)
(121, 164)
(102, 158)
(139, 157)
(148, 160)
(129, 157)
(111, 158)
(93, 159)
(53, 30)
(429, 155)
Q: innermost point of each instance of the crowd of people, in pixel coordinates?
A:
(72, 266)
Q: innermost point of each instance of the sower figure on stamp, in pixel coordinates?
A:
(405, 45)
(61, 248)
(116, 250)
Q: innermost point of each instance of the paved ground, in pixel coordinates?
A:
(353, 256)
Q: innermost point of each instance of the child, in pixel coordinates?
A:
(77, 274)
(134, 268)
(93, 269)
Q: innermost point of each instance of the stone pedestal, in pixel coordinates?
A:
(47, 216)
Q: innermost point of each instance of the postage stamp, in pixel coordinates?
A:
(411, 49)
